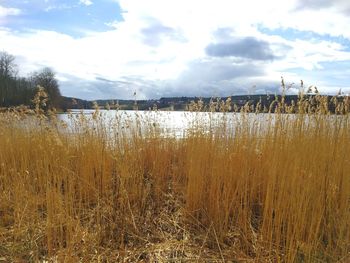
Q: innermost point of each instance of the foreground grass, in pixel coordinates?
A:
(275, 189)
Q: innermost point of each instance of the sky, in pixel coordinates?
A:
(109, 49)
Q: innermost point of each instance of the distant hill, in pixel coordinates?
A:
(174, 103)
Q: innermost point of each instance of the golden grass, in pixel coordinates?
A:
(254, 189)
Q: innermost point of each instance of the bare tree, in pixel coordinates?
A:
(15, 90)
(8, 88)
(46, 78)
(8, 68)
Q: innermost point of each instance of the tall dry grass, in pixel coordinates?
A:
(253, 188)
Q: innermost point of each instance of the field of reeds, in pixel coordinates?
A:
(250, 189)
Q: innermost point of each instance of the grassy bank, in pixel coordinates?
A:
(252, 190)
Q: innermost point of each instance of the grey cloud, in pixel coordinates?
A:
(100, 88)
(204, 77)
(341, 5)
(104, 88)
(216, 69)
(105, 80)
(154, 34)
(214, 77)
(315, 4)
(248, 47)
(223, 34)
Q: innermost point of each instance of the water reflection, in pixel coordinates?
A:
(174, 123)
(181, 123)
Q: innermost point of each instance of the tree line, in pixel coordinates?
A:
(16, 90)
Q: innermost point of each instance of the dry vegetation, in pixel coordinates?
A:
(251, 189)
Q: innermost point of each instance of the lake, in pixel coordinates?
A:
(168, 123)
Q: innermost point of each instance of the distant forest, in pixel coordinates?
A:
(16, 90)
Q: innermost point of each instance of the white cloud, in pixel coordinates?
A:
(58, 7)
(9, 11)
(86, 2)
(160, 46)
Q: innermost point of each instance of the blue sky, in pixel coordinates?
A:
(68, 17)
(110, 48)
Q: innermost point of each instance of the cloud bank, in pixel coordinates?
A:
(181, 48)
(247, 47)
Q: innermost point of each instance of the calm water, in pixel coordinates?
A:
(168, 123)
(180, 123)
